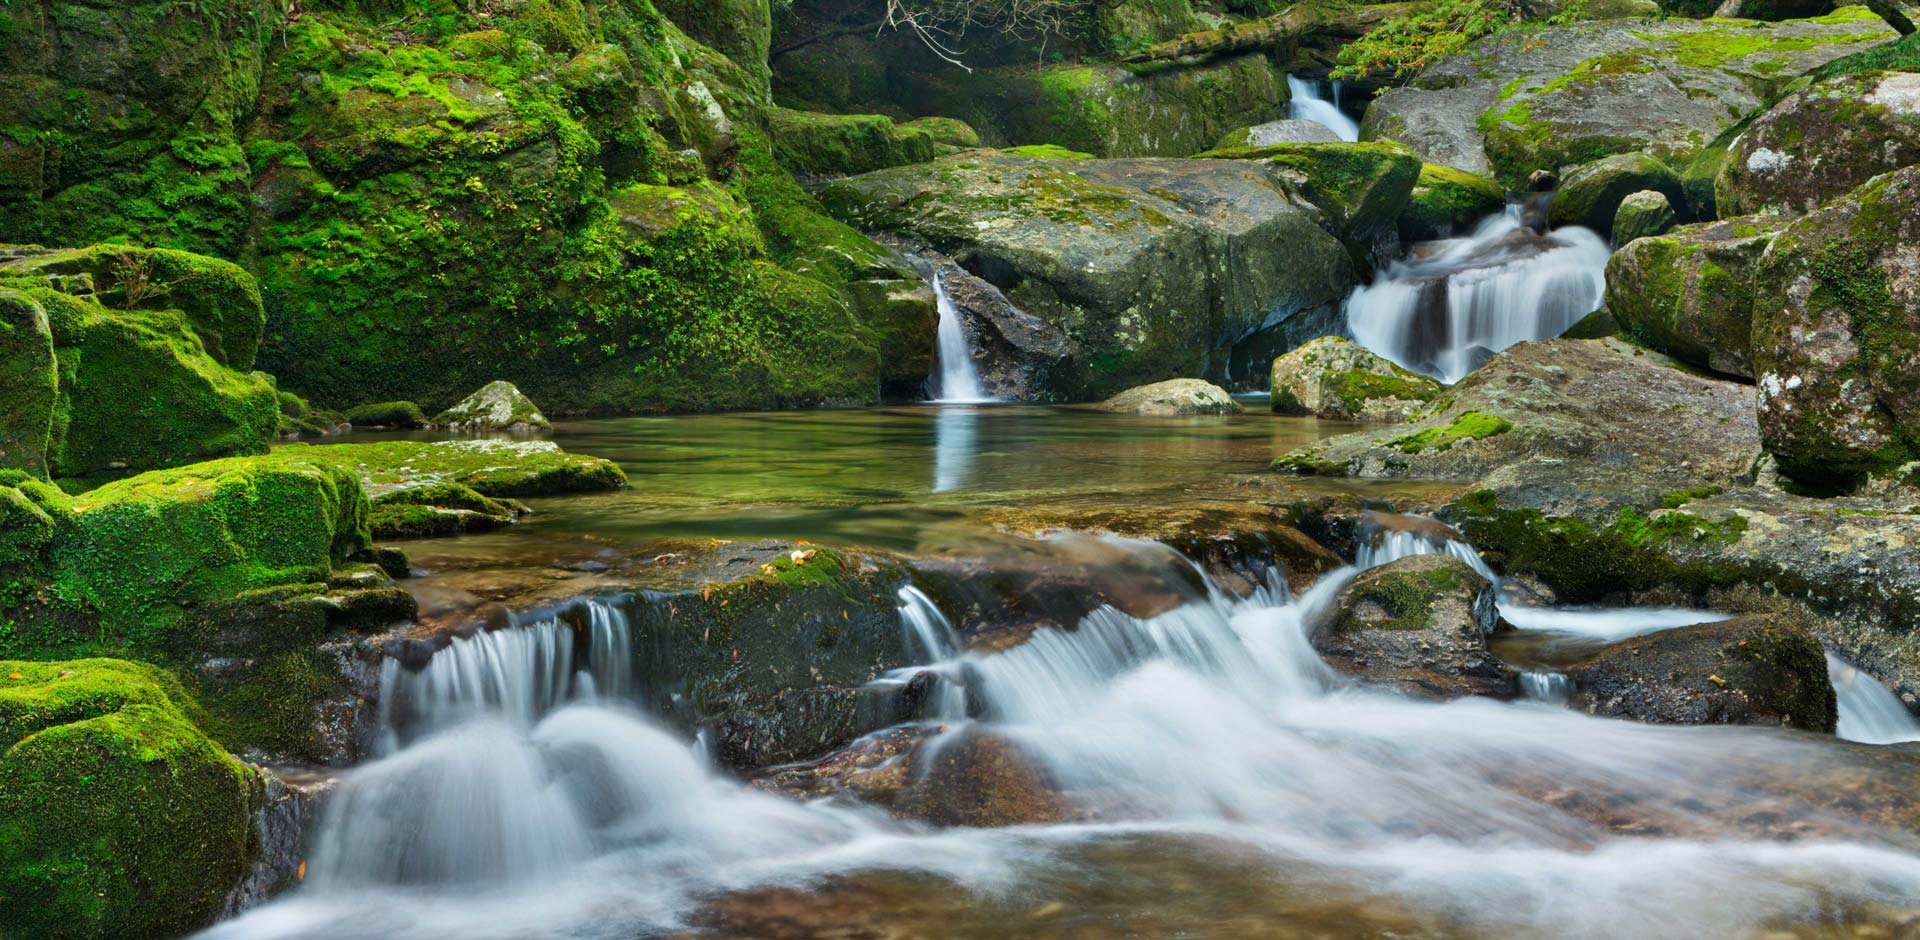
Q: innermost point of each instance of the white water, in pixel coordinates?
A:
(1307, 105)
(1869, 712)
(1444, 313)
(1213, 720)
(958, 381)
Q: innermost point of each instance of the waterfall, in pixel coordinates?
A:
(1869, 712)
(1211, 722)
(1553, 688)
(1307, 105)
(1455, 303)
(958, 382)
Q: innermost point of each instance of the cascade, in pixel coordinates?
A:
(1552, 688)
(1869, 712)
(1213, 719)
(1308, 105)
(1452, 304)
(957, 382)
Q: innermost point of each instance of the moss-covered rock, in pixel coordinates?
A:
(1641, 215)
(496, 406)
(843, 144)
(1419, 624)
(945, 131)
(119, 818)
(1591, 195)
(387, 414)
(1750, 670)
(1174, 397)
(1564, 96)
(220, 300)
(488, 466)
(1446, 202)
(1336, 378)
(29, 383)
(1689, 293)
(1143, 266)
(1819, 143)
(1836, 336)
(299, 419)
(1361, 187)
(438, 507)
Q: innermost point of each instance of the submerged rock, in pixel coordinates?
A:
(1420, 625)
(1174, 397)
(1745, 671)
(489, 466)
(497, 406)
(1149, 268)
(1836, 336)
(1817, 144)
(1563, 96)
(122, 819)
(1689, 292)
(1336, 378)
(979, 778)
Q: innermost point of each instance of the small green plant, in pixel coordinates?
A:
(1404, 45)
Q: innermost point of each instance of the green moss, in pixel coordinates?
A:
(1046, 152)
(1470, 425)
(1902, 53)
(29, 383)
(1360, 186)
(1674, 499)
(1446, 201)
(387, 414)
(489, 467)
(1356, 387)
(118, 817)
(1309, 462)
(1407, 596)
(840, 144)
(438, 507)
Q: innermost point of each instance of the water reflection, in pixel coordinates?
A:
(955, 437)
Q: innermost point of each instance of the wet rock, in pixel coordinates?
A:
(1817, 144)
(1447, 202)
(1749, 670)
(1565, 95)
(1420, 625)
(1836, 336)
(1147, 268)
(1174, 397)
(496, 406)
(1689, 292)
(874, 770)
(1339, 379)
(1640, 215)
(1283, 131)
(285, 809)
(1592, 194)
(978, 778)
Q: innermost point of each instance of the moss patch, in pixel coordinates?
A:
(1469, 426)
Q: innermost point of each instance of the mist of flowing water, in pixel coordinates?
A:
(1869, 712)
(1308, 105)
(1212, 720)
(958, 381)
(1453, 304)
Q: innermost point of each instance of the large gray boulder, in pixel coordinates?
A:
(1563, 96)
(1283, 131)
(1689, 292)
(1836, 336)
(496, 406)
(1149, 268)
(1174, 397)
(1817, 144)
(1337, 378)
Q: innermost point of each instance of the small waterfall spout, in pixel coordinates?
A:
(957, 381)
(1308, 105)
(1869, 712)
(1455, 303)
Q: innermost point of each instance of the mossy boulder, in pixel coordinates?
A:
(496, 406)
(1174, 397)
(137, 384)
(1334, 377)
(1148, 268)
(1641, 215)
(1819, 143)
(299, 419)
(945, 131)
(1689, 293)
(843, 144)
(387, 414)
(489, 466)
(119, 818)
(438, 507)
(1563, 96)
(1836, 336)
(1591, 195)
(29, 383)
(1362, 188)
(1446, 202)
(1765, 670)
(1419, 624)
